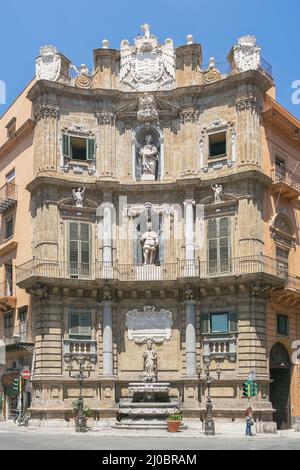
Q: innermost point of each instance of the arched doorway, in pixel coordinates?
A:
(280, 374)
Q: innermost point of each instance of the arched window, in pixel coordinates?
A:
(282, 232)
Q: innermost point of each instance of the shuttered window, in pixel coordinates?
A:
(80, 325)
(79, 249)
(218, 245)
(78, 148)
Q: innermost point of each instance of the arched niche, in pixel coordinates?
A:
(138, 141)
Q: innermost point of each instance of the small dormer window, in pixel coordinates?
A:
(217, 145)
(78, 148)
(11, 128)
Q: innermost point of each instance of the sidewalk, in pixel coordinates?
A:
(10, 427)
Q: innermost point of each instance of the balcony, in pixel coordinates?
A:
(220, 347)
(8, 197)
(285, 183)
(7, 296)
(78, 347)
(45, 270)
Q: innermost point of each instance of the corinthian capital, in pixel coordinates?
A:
(46, 111)
(106, 117)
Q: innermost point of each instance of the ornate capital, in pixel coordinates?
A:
(246, 103)
(106, 117)
(46, 111)
(189, 115)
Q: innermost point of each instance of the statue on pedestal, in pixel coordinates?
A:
(78, 196)
(218, 192)
(150, 243)
(149, 158)
(150, 363)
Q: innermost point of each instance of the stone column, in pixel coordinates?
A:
(189, 229)
(46, 147)
(108, 366)
(248, 129)
(190, 338)
(107, 233)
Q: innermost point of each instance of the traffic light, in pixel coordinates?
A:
(246, 389)
(254, 389)
(15, 384)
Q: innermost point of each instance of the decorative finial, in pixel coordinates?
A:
(146, 28)
(105, 44)
(212, 63)
(190, 39)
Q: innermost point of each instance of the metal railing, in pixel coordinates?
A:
(164, 272)
(225, 67)
(283, 174)
(8, 196)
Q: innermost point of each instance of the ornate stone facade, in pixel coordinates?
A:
(207, 266)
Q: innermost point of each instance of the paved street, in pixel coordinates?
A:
(62, 439)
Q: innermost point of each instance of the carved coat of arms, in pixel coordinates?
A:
(147, 66)
(247, 54)
(48, 64)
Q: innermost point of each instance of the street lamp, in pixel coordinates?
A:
(209, 424)
(83, 373)
(28, 348)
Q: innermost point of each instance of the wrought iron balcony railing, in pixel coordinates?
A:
(8, 196)
(286, 181)
(37, 268)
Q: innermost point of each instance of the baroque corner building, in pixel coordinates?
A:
(152, 198)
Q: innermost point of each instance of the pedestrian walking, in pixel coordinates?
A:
(249, 421)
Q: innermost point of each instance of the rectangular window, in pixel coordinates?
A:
(78, 148)
(10, 177)
(79, 249)
(8, 320)
(282, 325)
(217, 145)
(9, 227)
(218, 245)
(80, 325)
(282, 256)
(219, 323)
(9, 279)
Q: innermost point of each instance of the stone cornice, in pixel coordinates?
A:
(255, 77)
(244, 172)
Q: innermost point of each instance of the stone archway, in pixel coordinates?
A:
(280, 374)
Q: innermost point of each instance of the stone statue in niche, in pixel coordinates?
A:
(150, 243)
(78, 196)
(150, 363)
(218, 192)
(149, 159)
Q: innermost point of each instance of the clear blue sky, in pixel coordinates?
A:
(77, 27)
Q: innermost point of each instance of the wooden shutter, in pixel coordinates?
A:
(79, 248)
(218, 244)
(85, 324)
(233, 322)
(66, 145)
(90, 149)
(204, 318)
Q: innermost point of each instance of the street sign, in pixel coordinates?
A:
(25, 374)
